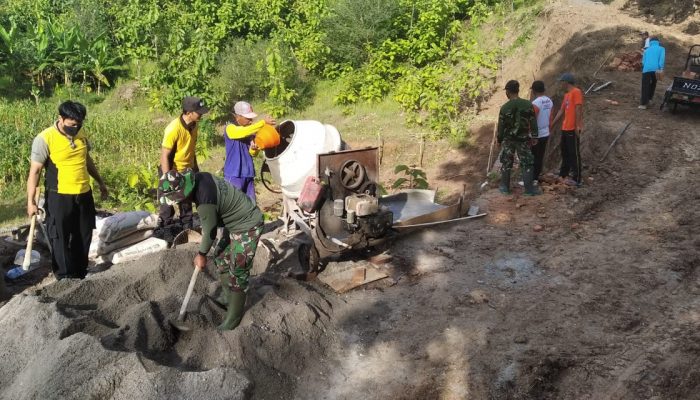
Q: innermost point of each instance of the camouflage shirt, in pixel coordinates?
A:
(517, 121)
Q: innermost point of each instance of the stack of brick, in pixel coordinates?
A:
(627, 62)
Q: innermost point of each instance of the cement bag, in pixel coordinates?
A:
(98, 247)
(136, 251)
(123, 224)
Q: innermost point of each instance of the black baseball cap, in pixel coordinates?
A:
(194, 104)
(513, 86)
(537, 86)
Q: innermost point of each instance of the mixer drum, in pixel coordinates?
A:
(295, 157)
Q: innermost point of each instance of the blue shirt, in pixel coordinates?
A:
(238, 162)
(654, 57)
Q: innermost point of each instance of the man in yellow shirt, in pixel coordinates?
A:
(239, 138)
(178, 152)
(70, 208)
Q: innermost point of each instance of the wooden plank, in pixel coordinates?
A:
(345, 276)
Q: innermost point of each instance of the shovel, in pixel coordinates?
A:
(187, 236)
(27, 265)
(488, 167)
(179, 324)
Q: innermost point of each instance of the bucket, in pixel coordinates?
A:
(267, 137)
(295, 157)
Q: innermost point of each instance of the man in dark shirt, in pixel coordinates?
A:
(517, 131)
(220, 204)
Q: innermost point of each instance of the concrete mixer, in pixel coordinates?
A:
(329, 193)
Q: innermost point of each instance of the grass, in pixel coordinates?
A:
(361, 122)
(13, 207)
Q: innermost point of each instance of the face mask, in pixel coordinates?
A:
(71, 130)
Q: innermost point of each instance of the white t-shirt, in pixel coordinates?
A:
(544, 106)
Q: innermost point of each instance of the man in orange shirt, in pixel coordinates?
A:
(571, 128)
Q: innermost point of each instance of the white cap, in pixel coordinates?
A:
(244, 109)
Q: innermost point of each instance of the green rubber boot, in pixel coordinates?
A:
(234, 313)
(530, 189)
(504, 187)
(222, 300)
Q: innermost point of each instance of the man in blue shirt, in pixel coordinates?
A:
(652, 69)
(239, 138)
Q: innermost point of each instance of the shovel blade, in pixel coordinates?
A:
(187, 236)
(17, 271)
(180, 325)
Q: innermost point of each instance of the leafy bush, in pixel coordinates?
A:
(242, 74)
(352, 27)
(260, 70)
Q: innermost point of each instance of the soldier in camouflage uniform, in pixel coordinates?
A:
(517, 129)
(220, 204)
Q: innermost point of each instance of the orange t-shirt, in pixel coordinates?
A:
(571, 99)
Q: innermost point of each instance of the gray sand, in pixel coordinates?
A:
(108, 336)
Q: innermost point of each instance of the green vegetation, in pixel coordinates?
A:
(355, 63)
(409, 177)
(427, 54)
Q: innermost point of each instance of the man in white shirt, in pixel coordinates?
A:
(646, 38)
(543, 110)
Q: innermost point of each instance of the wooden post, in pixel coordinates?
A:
(422, 149)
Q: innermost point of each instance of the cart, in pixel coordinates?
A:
(685, 89)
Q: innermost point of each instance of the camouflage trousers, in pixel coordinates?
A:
(510, 148)
(234, 255)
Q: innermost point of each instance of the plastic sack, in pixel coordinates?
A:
(123, 224)
(98, 247)
(134, 252)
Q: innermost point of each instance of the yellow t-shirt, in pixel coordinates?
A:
(65, 163)
(182, 142)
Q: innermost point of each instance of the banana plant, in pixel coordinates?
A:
(43, 55)
(101, 61)
(69, 44)
(8, 43)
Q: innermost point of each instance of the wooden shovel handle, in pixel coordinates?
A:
(190, 289)
(30, 239)
(30, 242)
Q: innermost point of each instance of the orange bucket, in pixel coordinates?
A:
(267, 137)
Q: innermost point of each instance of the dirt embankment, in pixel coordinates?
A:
(590, 293)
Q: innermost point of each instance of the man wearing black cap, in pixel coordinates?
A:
(178, 153)
(517, 131)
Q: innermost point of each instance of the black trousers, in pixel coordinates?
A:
(166, 213)
(70, 219)
(648, 87)
(538, 151)
(570, 156)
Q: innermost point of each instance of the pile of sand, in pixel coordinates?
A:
(108, 336)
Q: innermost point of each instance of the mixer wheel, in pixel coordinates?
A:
(352, 174)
